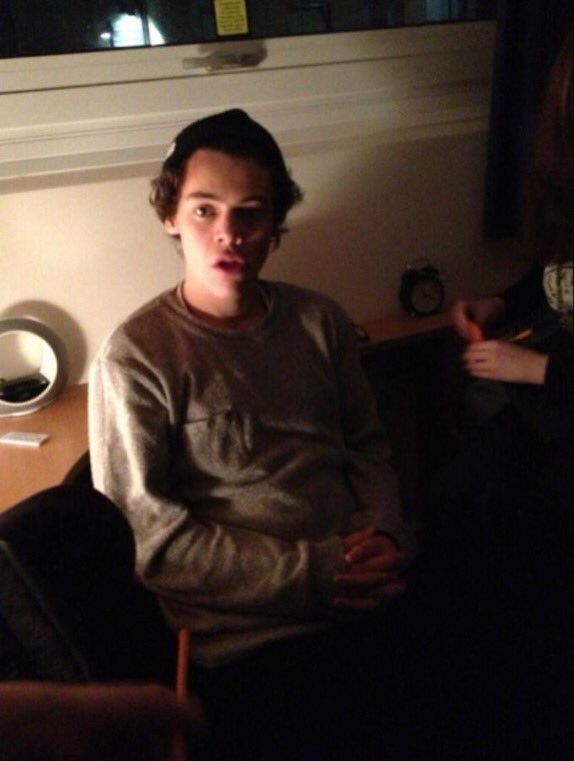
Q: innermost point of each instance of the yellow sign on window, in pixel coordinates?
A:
(231, 17)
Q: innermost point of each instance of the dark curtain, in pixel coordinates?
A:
(529, 35)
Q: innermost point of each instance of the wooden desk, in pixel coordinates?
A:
(400, 328)
(26, 470)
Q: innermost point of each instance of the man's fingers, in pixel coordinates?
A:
(357, 538)
(366, 602)
(357, 585)
(371, 549)
(345, 582)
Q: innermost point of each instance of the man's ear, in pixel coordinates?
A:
(171, 227)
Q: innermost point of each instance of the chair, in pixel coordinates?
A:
(73, 552)
(81, 472)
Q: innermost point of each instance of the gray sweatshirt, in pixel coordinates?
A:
(240, 458)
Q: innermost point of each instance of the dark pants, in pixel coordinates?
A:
(356, 692)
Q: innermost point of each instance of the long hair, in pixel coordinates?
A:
(549, 188)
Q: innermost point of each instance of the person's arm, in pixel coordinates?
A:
(556, 350)
(506, 361)
(486, 313)
(517, 301)
(511, 363)
(200, 563)
(378, 545)
(104, 722)
(370, 472)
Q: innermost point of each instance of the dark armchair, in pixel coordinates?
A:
(68, 589)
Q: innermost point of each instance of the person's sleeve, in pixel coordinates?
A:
(372, 477)
(524, 296)
(199, 563)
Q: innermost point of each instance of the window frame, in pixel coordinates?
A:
(33, 73)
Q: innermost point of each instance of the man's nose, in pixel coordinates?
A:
(229, 231)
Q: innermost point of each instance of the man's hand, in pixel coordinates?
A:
(505, 361)
(373, 572)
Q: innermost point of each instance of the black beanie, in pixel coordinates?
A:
(228, 128)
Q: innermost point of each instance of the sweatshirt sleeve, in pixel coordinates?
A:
(212, 565)
(371, 475)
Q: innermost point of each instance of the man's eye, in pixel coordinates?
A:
(251, 213)
(202, 211)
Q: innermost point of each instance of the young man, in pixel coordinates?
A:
(231, 423)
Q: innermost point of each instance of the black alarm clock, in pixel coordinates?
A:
(422, 291)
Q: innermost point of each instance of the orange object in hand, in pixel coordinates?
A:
(476, 332)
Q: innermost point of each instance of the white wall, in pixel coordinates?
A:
(83, 256)
(82, 250)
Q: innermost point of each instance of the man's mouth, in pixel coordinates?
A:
(233, 265)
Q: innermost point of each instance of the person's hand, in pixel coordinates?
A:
(77, 722)
(483, 312)
(505, 361)
(373, 572)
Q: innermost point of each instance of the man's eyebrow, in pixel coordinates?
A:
(201, 194)
(204, 194)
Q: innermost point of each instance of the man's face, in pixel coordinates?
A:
(224, 218)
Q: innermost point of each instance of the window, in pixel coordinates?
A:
(44, 27)
(121, 101)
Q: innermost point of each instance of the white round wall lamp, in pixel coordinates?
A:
(24, 392)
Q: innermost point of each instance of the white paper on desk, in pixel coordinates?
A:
(24, 438)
